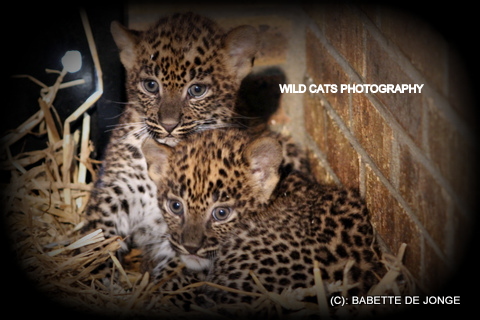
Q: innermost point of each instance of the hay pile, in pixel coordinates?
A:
(44, 203)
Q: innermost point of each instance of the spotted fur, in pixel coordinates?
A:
(229, 213)
(183, 75)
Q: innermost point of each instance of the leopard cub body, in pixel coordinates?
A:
(229, 214)
(183, 75)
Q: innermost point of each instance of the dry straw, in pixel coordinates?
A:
(44, 203)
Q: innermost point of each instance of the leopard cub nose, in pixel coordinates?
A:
(169, 126)
(191, 249)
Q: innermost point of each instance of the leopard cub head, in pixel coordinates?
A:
(183, 73)
(208, 183)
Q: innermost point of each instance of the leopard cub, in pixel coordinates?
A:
(229, 214)
(183, 76)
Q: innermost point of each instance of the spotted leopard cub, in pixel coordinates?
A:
(183, 73)
(183, 76)
(229, 214)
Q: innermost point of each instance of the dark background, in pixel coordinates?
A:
(37, 37)
(40, 40)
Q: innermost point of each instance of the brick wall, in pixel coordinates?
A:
(408, 153)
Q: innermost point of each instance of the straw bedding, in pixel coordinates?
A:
(43, 206)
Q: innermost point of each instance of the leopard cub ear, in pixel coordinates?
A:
(242, 45)
(157, 156)
(126, 41)
(265, 156)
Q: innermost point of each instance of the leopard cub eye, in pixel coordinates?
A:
(197, 90)
(175, 207)
(150, 85)
(221, 213)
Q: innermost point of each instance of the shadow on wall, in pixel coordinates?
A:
(254, 108)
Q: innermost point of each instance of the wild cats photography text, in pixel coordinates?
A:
(351, 88)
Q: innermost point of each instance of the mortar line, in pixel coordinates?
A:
(295, 55)
(362, 178)
(395, 162)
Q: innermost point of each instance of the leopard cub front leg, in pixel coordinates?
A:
(123, 201)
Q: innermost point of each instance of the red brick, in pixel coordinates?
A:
(344, 30)
(392, 223)
(343, 27)
(314, 116)
(405, 107)
(324, 69)
(425, 196)
(372, 132)
(382, 207)
(406, 231)
(341, 155)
